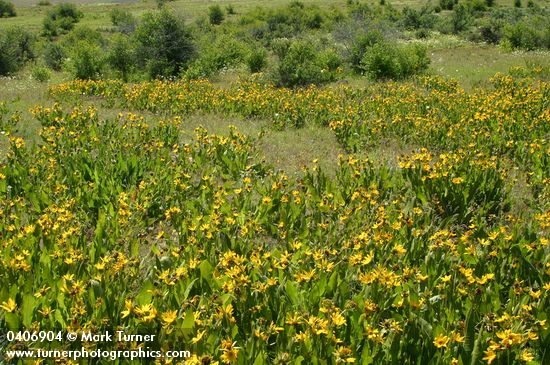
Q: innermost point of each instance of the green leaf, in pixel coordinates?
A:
(206, 271)
(28, 309)
(332, 283)
(189, 321)
(477, 347)
(188, 289)
(366, 356)
(59, 318)
(292, 292)
(260, 359)
(145, 296)
(12, 320)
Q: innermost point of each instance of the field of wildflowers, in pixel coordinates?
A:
(117, 223)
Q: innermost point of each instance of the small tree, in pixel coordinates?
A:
(163, 45)
(16, 47)
(386, 60)
(7, 9)
(61, 19)
(121, 57)
(86, 61)
(460, 18)
(301, 65)
(54, 56)
(257, 59)
(215, 14)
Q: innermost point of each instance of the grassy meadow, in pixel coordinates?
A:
(276, 182)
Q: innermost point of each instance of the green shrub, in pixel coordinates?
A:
(285, 22)
(123, 20)
(7, 9)
(389, 61)
(460, 18)
(54, 56)
(419, 19)
(216, 54)
(60, 19)
(476, 5)
(257, 60)
(215, 14)
(83, 33)
(44, 3)
(41, 74)
(491, 30)
(121, 57)
(522, 36)
(517, 3)
(447, 4)
(330, 60)
(280, 47)
(86, 61)
(16, 47)
(301, 65)
(230, 9)
(360, 45)
(163, 45)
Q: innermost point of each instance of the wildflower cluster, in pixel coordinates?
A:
(120, 224)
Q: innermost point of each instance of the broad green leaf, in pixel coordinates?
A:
(28, 309)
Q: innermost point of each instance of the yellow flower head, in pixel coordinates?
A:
(441, 341)
(10, 306)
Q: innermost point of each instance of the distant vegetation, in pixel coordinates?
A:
(6, 9)
(293, 45)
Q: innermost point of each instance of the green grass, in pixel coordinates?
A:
(473, 65)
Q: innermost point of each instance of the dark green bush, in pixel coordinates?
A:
(257, 60)
(280, 46)
(215, 14)
(121, 57)
(54, 55)
(223, 51)
(476, 5)
(41, 73)
(163, 44)
(419, 19)
(390, 61)
(447, 4)
(60, 19)
(491, 30)
(523, 36)
(301, 65)
(360, 45)
(461, 18)
(330, 60)
(86, 61)
(285, 22)
(7, 9)
(16, 47)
